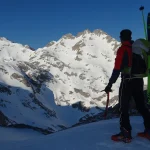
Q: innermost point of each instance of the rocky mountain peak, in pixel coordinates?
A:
(28, 47)
(68, 36)
(50, 43)
(98, 32)
(4, 39)
(87, 31)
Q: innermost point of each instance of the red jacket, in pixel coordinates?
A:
(123, 60)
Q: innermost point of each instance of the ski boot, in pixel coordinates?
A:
(124, 136)
(145, 134)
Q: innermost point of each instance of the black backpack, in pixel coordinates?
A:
(139, 65)
(140, 58)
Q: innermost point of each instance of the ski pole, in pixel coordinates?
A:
(141, 9)
(106, 109)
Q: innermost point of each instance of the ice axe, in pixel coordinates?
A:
(106, 109)
(107, 102)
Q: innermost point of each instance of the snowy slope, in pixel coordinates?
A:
(10, 51)
(18, 101)
(94, 136)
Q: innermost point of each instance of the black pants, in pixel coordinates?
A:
(128, 89)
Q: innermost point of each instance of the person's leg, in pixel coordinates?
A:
(138, 95)
(125, 127)
(124, 98)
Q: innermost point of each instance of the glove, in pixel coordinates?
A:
(108, 88)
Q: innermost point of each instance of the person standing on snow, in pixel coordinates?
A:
(129, 87)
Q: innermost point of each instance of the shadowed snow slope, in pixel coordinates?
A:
(94, 136)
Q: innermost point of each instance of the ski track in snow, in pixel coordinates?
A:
(94, 136)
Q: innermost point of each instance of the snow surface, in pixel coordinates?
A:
(10, 51)
(94, 136)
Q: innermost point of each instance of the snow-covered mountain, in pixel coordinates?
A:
(59, 85)
(81, 66)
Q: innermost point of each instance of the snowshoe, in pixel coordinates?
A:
(124, 136)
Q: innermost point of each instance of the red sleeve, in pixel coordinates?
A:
(119, 58)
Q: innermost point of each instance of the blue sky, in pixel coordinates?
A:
(37, 22)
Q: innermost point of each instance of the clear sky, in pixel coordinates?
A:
(37, 22)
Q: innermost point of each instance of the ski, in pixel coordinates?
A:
(148, 38)
(148, 26)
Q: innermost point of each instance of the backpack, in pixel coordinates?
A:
(140, 49)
